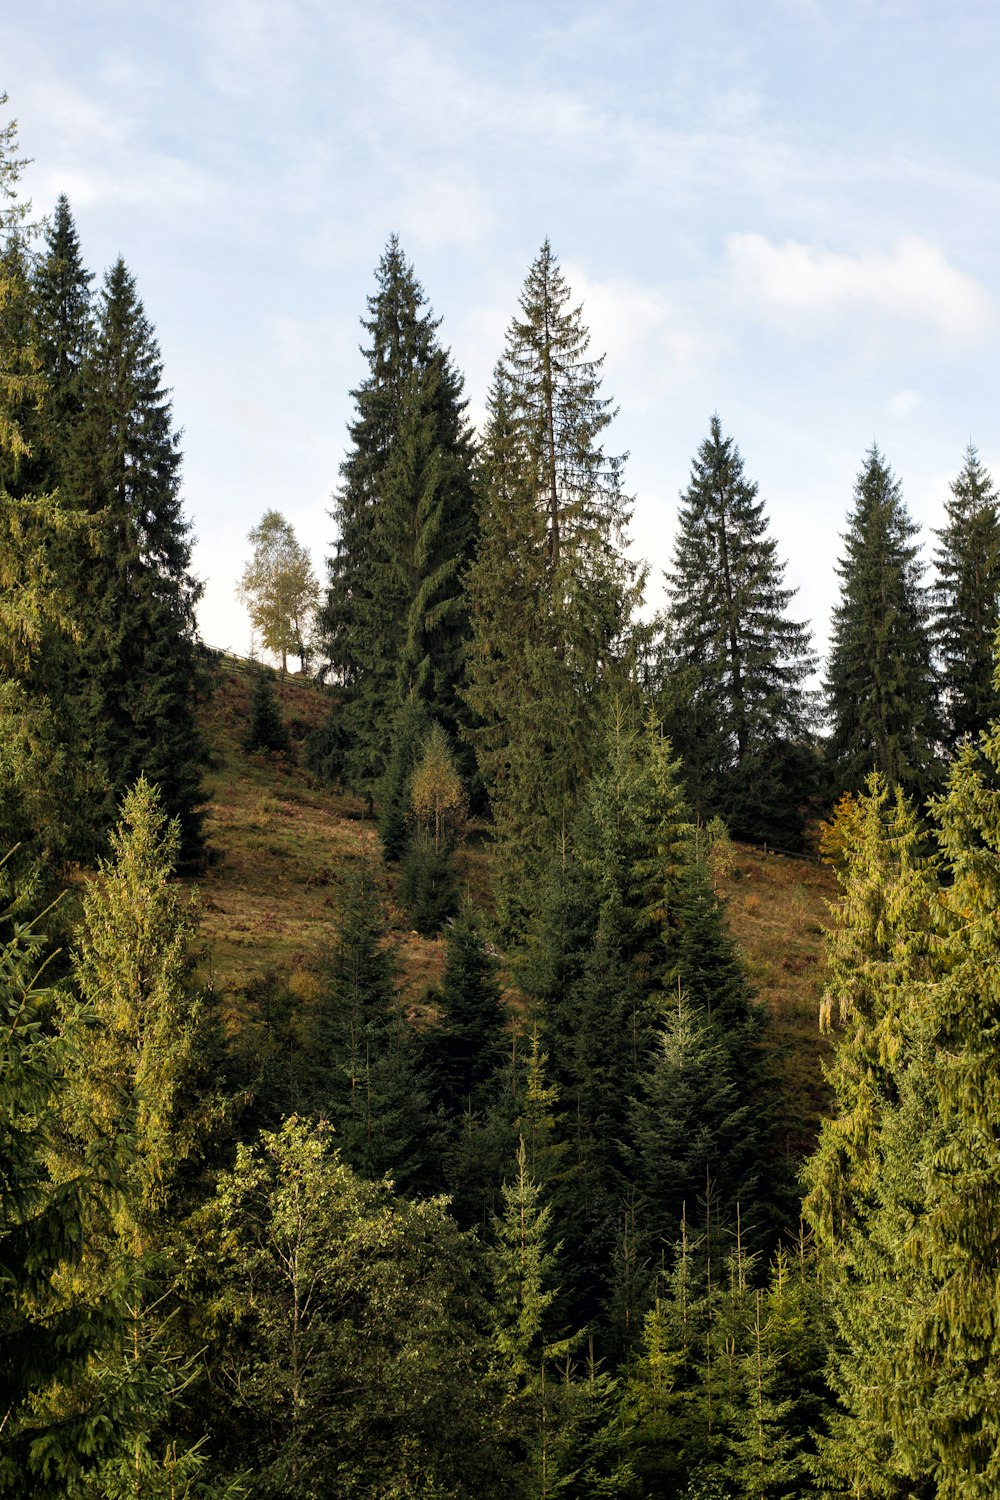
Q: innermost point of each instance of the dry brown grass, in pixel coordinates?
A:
(778, 911)
(284, 847)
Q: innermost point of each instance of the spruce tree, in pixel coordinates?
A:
(62, 300)
(138, 665)
(464, 1055)
(46, 1337)
(266, 730)
(395, 621)
(881, 692)
(743, 721)
(867, 1179)
(48, 781)
(143, 1093)
(372, 1091)
(551, 591)
(967, 600)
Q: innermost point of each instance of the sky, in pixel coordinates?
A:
(786, 212)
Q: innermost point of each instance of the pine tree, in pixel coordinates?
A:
(866, 1181)
(138, 664)
(143, 1093)
(551, 590)
(47, 780)
(880, 685)
(46, 1338)
(743, 723)
(463, 1057)
(266, 730)
(395, 622)
(967, 599)
(372, 1092)
(940, 1405)
(62, 302)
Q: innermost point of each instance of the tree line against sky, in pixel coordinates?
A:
(296, 1245)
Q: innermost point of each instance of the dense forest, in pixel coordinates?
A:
(543, 1235)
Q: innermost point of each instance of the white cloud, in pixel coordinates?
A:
(912, 285)
(902, 403)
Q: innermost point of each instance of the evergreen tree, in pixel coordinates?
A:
(138, 666)
(551, 590)
(64, 327)
(47, 780)
(967, 599)
(267, 728)
(866, 1181)
(880, 684)
(395, 787)
(463, 1057)
(46, 1339)
(143, 1094)
(372, 1093)
(940, 1404)
(395, 621)
(742, 726)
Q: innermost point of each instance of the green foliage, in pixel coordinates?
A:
(967, 600)
(395, 624)
(46, 1338)
(464, 1054)
(551, 591)
(279, 588)
(429, 884)
(136, 674)
(354, 1354)
(371, 1093)
(409, 732)
(743, 717)
(267, 728)
(880, 686)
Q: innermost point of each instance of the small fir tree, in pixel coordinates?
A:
(267, 730)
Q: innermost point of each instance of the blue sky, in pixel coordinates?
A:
(787, 212)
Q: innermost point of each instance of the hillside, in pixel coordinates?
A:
(283, 845)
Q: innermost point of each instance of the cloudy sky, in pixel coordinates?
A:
(787, 212)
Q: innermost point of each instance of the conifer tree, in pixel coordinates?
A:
(372, 1092)
(266, 730)
(138, 667)
(867, 1178)
(463, 1057)
(395, 622)
(46, 1338)
(744, 716)
(144, 1094)
(940, 1406)
(967, 599)
(62, 301)
(880, 686)
(551, 590)
(47, 780)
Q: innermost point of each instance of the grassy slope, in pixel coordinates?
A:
(284, 845)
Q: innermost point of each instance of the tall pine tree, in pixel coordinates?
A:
(552, 592)
(395, 621)
(880, 684)
(138, 671)
(967, 599)
(744, 714)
